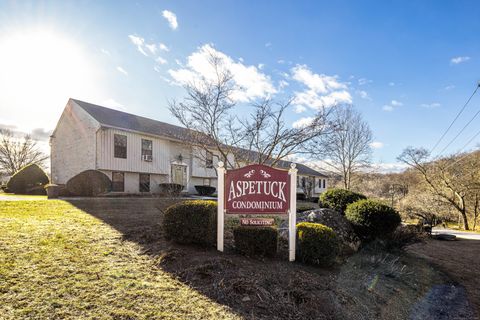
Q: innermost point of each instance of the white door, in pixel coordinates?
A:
(179, 174)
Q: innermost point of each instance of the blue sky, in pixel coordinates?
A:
(408, 66)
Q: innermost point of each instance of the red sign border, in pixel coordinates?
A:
(282, 171)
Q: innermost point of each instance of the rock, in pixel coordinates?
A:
(246, 299)
(333, 219)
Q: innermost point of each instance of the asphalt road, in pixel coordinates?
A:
(457, 233)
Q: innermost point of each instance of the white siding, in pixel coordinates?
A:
(73, 144)
(133, 163)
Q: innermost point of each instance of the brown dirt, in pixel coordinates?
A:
(460, 259)
(371, 284)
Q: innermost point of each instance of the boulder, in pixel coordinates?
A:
(333, 219)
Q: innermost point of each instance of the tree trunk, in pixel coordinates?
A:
(464, 214)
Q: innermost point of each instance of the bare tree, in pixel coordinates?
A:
(446, 179)
(16, 153)
(262, 137)
(346, 150)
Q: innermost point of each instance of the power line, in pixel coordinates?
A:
(460, 132)
(455, 119)
(466, 155)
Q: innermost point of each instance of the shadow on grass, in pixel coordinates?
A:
(270, 288)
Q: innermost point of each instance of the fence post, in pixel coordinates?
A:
(292, 213)
(220, 205)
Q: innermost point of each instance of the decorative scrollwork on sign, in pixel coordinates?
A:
(264, 174)
(249, 174)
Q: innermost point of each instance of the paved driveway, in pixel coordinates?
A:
(457, 233)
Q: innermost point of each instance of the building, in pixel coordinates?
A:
(137, 153)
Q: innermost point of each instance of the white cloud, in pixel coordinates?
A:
(376, 145)
(121, 70)
(105, 52)
(387, 108)
(391, 84)
(430, 105)
(268, 44)
(261, 66)
(303, 122)
(393, 167)
(322, 90)
(163, 47)
(392, 105)
(149, 50)
(364, 81)
(300, 109)
(363, 94)
(250, 82)
(281, 61)
(282, 84)
(111, 103)
(139, 42)
(396, 103)
(450, 87)
(160, 60)
(171, 18)
(151, 47)
(457, 60)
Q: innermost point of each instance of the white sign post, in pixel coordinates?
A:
(220, 205)
(292, 213)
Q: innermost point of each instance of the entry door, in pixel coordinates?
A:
(179, 174)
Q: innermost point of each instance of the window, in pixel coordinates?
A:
(118, 182)
(120, 143)
(144, 182)
(209, 160)
(320, 183)
(324, 183)
(146, 150)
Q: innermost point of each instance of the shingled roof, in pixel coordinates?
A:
(123, 120)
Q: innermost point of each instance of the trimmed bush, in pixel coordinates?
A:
(317, 244)
(170, 189)
(339, 199)
(304, 207)
(205, 190)
(89, 183)
(371, 219)
(192, 222)
(28, 180)
(256, 241)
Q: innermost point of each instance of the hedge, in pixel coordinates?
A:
(305, 207)
(339, 199)
(89, 183)
(205, 190)
(256, 241)
(317, 244)
(28, 180)
(191, 222)
(371, 219)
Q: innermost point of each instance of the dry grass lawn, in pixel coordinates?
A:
(57, 262)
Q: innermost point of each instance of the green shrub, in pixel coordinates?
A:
(28, 180)
(305, 207)
(191, 222)
(372, 219)
(89, 183)
(339, 199)
(256, 241)
(317, 244)
(205, 190)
